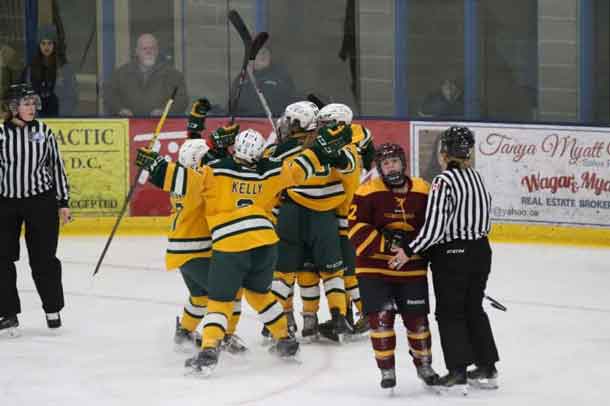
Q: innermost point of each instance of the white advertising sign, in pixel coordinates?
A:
(535, 173)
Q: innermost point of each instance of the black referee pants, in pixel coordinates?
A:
(41, 218)
(459, 271)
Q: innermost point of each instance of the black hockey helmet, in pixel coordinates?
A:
(18, 92)
(385, 151)
(457, 142)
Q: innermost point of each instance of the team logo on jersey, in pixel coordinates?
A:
(37, 137)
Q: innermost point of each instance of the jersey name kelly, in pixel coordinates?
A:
(245, 188)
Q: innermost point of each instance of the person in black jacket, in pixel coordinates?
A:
(34, 191)
(454, 237)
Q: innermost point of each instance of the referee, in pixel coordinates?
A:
(455, 238)
(34, 191)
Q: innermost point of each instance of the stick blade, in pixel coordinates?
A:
(316, 100)
(240, 27)
(257, 44)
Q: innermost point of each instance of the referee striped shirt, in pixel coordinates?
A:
(458, 208)
(30, 162)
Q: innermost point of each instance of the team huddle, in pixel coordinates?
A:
(253, 217)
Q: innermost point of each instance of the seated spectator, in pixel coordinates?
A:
(275, 83)
(52, 77)
(143, 86)
(445, 102)
(10, 70)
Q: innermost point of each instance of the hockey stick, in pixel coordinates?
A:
(495, 304)
(249, 56)
(133, 186)
(315, 100)
(259, 93)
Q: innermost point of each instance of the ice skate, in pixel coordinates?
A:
(184, 340)
(310, 331)
(286, 348)
(337, 328)
(388, 379)
(233, 344)
(204, 363)
(53, 320)
(267, 337)
(483, 377)
(454, 382)
(8, 326)
(429, 377)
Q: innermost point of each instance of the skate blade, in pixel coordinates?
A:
(202, 373)
(11, 332)
(389, 392)
(185, 348)
(309, 339)
(435, 389)
(267, 341)
(484, 384)
(293, 359)
(455, 390)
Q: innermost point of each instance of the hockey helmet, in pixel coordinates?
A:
(18, 92)
(335, 113)
(249, 146)
(191, 152)
(457, 142)
(395, 178)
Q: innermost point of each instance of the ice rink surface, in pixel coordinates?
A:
(116, 348)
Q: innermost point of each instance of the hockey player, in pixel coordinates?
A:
(239, 193)
(385, 212)
(189, 241)
(308, 229)
(363, 151)
(296, 130)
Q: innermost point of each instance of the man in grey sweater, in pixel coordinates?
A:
(143, 86)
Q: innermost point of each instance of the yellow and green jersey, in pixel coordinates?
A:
(239, 199)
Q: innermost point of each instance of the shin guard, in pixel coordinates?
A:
(236, 312)
(383, 338)
(216, 323)
(194, 310)
(353, 293)
(270, 312)
(334, 288)
(420, 339)
(282, 288)
(309, 285)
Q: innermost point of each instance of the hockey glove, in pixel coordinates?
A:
(224, 137)
(329, 142)
(393, 239)
(196, 121)
(148, 159)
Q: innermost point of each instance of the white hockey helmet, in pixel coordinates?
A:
(249, 145)
(301, 115)
(191, 152)
(335, 112)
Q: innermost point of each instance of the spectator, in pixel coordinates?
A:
(445, 102)
(10, 69)
(275, 83)
(52, 77)
(143, 86)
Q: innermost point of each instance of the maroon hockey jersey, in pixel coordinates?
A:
(375, 208)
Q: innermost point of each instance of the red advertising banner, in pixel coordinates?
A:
(150, 201)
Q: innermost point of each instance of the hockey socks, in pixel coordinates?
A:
(283, 288)
(270, 312)
(194, 310)
(309, 285)
(420, 339)
(353, 293)
(383, 338)
(334, 288)
(216, 322)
